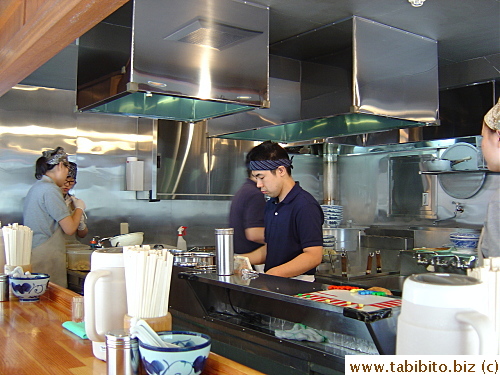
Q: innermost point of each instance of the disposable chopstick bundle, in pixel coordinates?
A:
(147, 279)
(17, 244)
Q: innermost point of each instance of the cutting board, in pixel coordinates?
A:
(346, 298)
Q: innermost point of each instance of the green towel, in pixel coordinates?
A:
(76, 328)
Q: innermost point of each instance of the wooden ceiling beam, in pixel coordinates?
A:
(31, 37)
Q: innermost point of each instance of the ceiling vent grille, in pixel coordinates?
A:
(211, 34)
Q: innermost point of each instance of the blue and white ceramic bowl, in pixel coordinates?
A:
(188, 359)
(29, 289)
(464, 240)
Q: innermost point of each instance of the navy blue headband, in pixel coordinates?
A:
(269, 165)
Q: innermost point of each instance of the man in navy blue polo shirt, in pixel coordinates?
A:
(246, 215)
(293, 218)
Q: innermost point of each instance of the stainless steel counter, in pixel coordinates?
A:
(242, 315)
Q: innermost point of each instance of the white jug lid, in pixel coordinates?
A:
(111, 257)
(444, 290)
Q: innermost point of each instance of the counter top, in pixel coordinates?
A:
(33, 341)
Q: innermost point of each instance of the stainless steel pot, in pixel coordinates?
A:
(194, 259)
(345, 238)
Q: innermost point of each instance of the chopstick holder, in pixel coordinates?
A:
(76, 328)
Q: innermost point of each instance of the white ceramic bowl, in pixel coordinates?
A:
(129, 239)
(29, 289)
(188, 359)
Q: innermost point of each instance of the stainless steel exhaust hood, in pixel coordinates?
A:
(353, 77)
(184, 60)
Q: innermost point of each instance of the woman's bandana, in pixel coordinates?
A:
(72, 169)
(54, 157)
(492, 118)
(269, 165)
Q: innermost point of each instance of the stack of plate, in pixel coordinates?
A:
(333, 215)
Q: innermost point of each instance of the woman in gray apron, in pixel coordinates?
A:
(48, 216)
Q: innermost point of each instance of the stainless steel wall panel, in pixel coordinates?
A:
(227, 165)
(30, 121)
(183, 154)
(32, 118)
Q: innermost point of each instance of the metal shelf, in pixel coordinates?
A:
(456, 172)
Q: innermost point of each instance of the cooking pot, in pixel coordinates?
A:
(193, 259)
(345, 238)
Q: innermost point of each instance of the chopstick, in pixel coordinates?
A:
(147, 278)
(17, 244)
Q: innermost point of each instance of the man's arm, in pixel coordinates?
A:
(255, 234)
(258, 256)
(310, 258)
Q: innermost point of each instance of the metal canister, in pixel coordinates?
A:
(4, 287)
(121, 354)
(224, 251)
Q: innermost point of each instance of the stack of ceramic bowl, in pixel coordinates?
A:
(333, 215)
(465, 242)
(328, 238)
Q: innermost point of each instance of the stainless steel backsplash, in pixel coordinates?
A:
(33, 118)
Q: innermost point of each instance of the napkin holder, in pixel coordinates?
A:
(159, 324)
(9, 268)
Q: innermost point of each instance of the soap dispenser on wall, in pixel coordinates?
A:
(181, 242)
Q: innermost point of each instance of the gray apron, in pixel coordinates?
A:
(50, 258)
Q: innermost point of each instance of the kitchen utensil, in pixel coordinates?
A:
(4, 287)
(105, 297)
(121, 353)
(466, 155)
(444, 314)
(347, 238)
(455, 162)
(369, 263)
(343, 260)
(17, 241)
(462, 185)
(194, 259)
(436, 165)
(378, 257)
(224, 251)
(148, 274)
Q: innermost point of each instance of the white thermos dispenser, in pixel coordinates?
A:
(224, 251)
(105, 297)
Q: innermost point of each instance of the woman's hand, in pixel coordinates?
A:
(78, 203)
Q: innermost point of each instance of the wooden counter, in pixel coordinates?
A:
(33, 341)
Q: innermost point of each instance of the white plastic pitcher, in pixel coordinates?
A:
(444, 314)
(105, 297)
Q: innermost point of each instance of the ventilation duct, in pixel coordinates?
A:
(354, 77)
(183, 60)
